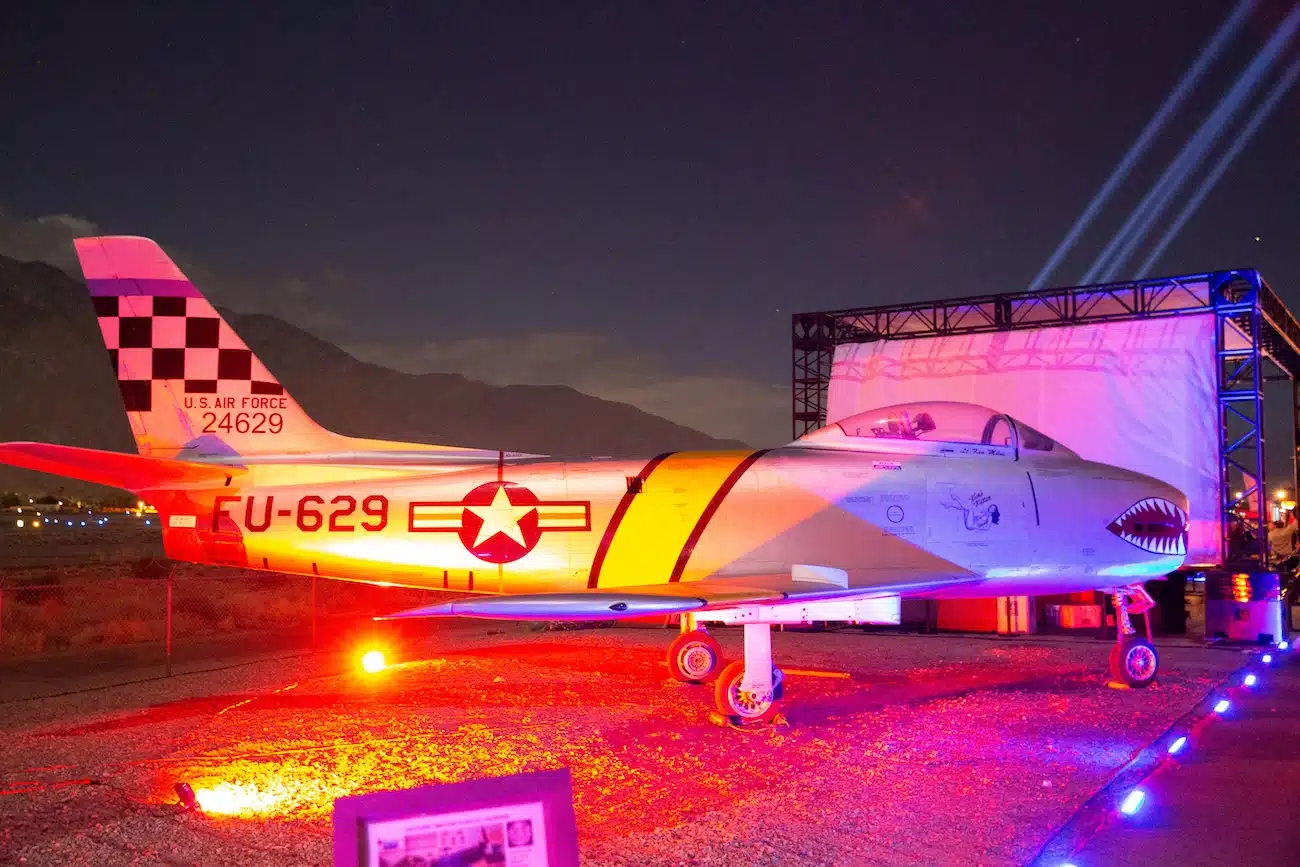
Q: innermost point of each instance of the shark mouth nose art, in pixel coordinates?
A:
(1154, 525)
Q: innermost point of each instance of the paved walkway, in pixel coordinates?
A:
(1232, 798)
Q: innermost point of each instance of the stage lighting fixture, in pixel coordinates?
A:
(1250, 680)
(1283, 645)
(1132, 802)
(373, 662)
(1222, 706)
(188, 800)
(1267, 659)
(1177, 746)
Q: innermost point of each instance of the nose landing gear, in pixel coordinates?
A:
(1133, 660)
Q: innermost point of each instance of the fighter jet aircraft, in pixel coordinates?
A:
(933, 500)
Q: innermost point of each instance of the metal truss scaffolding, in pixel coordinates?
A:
(1257, 339)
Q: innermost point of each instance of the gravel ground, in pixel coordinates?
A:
(936, 750)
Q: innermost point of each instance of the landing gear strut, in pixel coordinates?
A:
(1133, 659)
(749, 692)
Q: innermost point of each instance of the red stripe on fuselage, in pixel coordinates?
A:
(602, 550)
(707, 515)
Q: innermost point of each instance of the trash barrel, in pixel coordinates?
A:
(1241, 606)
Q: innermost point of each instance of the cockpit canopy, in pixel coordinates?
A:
(925, 422)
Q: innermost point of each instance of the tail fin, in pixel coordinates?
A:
(190, 386)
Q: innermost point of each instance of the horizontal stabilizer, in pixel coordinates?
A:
(115, 469)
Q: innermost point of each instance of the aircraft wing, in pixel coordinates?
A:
(675, 598)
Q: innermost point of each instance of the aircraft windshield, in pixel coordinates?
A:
(1033, 440)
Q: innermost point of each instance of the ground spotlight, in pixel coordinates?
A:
(1283, 645)
(1250, 680)
(1177, 746)
(188, 800)
(1132, 802)
(1267, 659)
(373, 662)
(1222, 706)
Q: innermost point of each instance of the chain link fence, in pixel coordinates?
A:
(65, 626)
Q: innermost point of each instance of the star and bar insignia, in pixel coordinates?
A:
(499, 522)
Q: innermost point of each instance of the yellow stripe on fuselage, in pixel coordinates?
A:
(650, 538)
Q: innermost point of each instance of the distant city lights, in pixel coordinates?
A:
(1177, 746)
(1222, 706)
(1132, 802)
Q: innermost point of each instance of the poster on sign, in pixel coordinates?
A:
(521, 821)
(1140, 394)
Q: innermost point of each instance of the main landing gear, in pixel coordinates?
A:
(1133, 659)
(747, 693)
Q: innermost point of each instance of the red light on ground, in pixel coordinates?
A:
(236, 799)
(373, 662)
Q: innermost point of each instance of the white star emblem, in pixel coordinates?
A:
(501, 516)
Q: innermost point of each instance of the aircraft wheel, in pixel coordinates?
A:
(743, 707)
(694, 657)
(1134, 663)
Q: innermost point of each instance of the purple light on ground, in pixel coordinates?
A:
(1132, 802)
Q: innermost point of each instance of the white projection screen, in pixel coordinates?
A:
(1139, 394)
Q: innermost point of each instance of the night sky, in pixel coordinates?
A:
(629, 198)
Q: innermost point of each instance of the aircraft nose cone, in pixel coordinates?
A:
(1154, 524)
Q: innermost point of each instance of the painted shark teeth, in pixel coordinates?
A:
(1156, 526)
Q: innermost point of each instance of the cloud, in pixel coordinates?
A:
(314, 301)
(722, 405)
(44, 239)
(719, 404)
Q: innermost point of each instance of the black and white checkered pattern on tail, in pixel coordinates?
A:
(152, 338)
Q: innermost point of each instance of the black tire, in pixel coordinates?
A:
(1134, 663)
(743, 709)
(694, 657)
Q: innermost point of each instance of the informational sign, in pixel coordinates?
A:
(525, 820)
